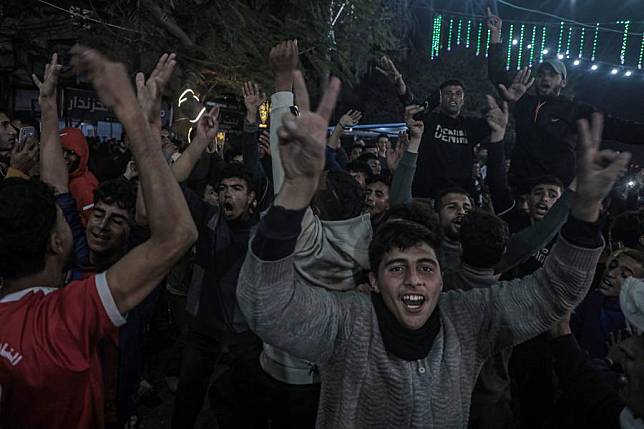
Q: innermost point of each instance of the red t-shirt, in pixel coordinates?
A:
(50, 373)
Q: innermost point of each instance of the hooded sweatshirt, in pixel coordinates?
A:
(82, 183)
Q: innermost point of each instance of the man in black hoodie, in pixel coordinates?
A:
(545, 121)
(446, 154)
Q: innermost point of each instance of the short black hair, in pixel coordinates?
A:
(627, 228)
(383, 178)
(414, 211)
(236, 170)
(452, 82)
(400, 234)
(117, 192)
(27, 218)
(359, 167)
(382, 136)
(342, 199)
(438, 203)
(484, 238)
(371, 144)
(546, 180)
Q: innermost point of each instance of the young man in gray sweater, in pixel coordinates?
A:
(406, 355)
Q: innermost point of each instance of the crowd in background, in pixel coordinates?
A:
(297, 277)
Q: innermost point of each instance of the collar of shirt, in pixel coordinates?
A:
(16, 296)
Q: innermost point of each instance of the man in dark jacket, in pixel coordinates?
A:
(446, 154)
(545, 120)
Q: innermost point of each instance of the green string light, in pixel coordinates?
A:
(533, 45)
(436, 39)
(544, 33)
(510, 46)
(581, 42)
(449, 34)
(458, 33)
(469, 30)
(639, 64)
(487, 48)
(622, 54)
(568, 42)
(561, 31)
(595, 40)
(520, 46)
(478, 39)
(431, 52)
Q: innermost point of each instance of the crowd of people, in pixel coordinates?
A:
(319, 280)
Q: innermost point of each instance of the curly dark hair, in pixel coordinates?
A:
(382, 178)
(237, 170)
(414, 211)
(484, 238)
(438, 202)
(117, 192)
(27, 218)
(400, 234)
(359, 167)
(342, 199)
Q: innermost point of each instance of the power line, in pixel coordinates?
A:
(87, 17)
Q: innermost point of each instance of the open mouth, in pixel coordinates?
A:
(413, 302)
(100, 238)
(228, 207)
(541, 209)
(457, 222)
(605, 284)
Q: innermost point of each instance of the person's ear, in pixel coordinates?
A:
(373, 281)
(641, 241)
(56, 244)
(564, 82)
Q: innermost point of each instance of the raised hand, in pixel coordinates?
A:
(49, 83)
(415, 127)
(302, 138)
(283, 60)
(253, 98)
(24, 156)
(264, 144)
(208, 125)
(597, 171)
(109, 78)
(394, 155)
(497, 117)
(149, 92)
(387, 68)
(520, 84)
(350, 119)
(493, 22)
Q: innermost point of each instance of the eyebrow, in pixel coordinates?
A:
(405, 261)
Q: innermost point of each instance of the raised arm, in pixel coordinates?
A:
(302, 320)
(497, 117)
(53, 169)
(388, 68)
(524, 308)
(348, 120)
(405, 168)
(206, 131)
(172, 230)
(253, 98)
(149, 92)
(497, 72)
(283, 60)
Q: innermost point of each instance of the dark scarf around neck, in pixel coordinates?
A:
(402, 342)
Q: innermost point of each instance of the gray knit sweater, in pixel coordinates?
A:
(363, 386)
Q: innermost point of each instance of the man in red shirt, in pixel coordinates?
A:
(50, 374)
